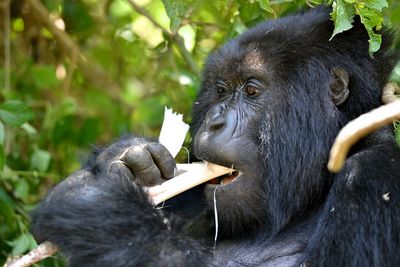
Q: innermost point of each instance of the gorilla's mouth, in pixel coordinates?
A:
(225, 179)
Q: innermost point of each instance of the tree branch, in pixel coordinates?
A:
(44, 250)
(360, 127)
(93, 73)
(146, 14)
(7, 48)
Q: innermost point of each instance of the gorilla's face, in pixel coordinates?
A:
(228, 116)
(270, 110)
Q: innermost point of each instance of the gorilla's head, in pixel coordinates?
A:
(271, 103)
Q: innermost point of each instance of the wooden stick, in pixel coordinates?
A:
(44, 250)
(359, 128)
(195, 174)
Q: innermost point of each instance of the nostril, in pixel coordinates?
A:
(215, 120)
(216, 123)
(216, 127)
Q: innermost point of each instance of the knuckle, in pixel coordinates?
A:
(158, 149)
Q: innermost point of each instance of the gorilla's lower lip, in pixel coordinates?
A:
(225, 179)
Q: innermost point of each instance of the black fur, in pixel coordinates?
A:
(286, 208)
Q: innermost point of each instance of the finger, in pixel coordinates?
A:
(140, 162)
(163, 159)
(118, 167)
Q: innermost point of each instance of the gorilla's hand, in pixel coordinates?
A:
(146, 162)
(98, 217)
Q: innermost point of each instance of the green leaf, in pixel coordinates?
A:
(396, 76)
(264, 4)
(250, 12)
(372, 19)
(89, 131)
(15, 113)
(7, 214)
(77, 18)
(20, 244)
(40, 160)
(120, 8)
(44, 76)
(21, 190)
(53, 5)
(342, 15)
(375, 41)
(67, 107)
(376, 4)
(238, 26)
(5, 197)
(176, 10)
(64, 130)
(32, 242)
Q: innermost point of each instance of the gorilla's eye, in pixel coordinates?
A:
(252, 87)
(221, 90)
(221, 87)
(250, 90)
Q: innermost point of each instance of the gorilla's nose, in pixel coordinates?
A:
(215, 119)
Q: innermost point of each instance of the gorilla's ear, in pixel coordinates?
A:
(339, 86)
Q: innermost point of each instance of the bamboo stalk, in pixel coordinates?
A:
(195, 174)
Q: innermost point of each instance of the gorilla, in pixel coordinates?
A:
(270, 105)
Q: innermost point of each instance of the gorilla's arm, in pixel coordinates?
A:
(360, 224)
(99, 217)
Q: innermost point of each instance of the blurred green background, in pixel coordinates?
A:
(78, 72)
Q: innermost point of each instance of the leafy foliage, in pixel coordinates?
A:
(15, 113)
(176, 11)
(342, 15)
(370, 13)
(133, 58)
